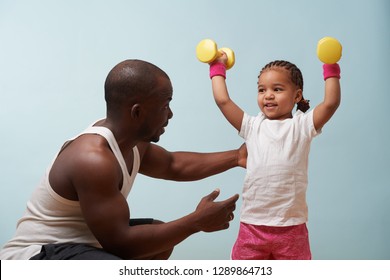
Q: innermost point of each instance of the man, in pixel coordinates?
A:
(79, 210)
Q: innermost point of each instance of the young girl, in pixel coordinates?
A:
(274, 210)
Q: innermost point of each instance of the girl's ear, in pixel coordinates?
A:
(298, 95)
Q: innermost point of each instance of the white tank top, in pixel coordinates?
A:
(50, 218)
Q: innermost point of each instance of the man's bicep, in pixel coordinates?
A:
(103, 206)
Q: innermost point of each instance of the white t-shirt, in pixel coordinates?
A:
(274, 191)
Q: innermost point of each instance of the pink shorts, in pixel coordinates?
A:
(272, 243)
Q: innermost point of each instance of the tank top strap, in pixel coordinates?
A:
(109, 136)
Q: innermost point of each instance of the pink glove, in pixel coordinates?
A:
(331, 70)
(217, 69)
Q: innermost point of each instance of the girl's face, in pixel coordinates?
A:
(277, 95)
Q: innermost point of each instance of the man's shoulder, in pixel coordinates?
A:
(88, 150)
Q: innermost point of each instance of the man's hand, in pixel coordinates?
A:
(214, 216)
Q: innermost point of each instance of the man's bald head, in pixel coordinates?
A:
(131, 81)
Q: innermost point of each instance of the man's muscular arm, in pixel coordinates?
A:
(187, 166)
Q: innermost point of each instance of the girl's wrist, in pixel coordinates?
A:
(217, 69)
(331, 71)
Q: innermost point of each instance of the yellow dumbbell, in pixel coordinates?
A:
(207, 51)
(329, 50)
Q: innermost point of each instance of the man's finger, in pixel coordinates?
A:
(231, 200)
(212, 196)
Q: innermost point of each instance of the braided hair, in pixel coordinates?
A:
(295, 76)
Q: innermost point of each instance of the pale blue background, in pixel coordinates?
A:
(55, 55)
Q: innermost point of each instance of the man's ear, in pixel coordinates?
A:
(135, 111)
(298, 95)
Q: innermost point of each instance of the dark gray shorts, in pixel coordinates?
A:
(76, 251)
